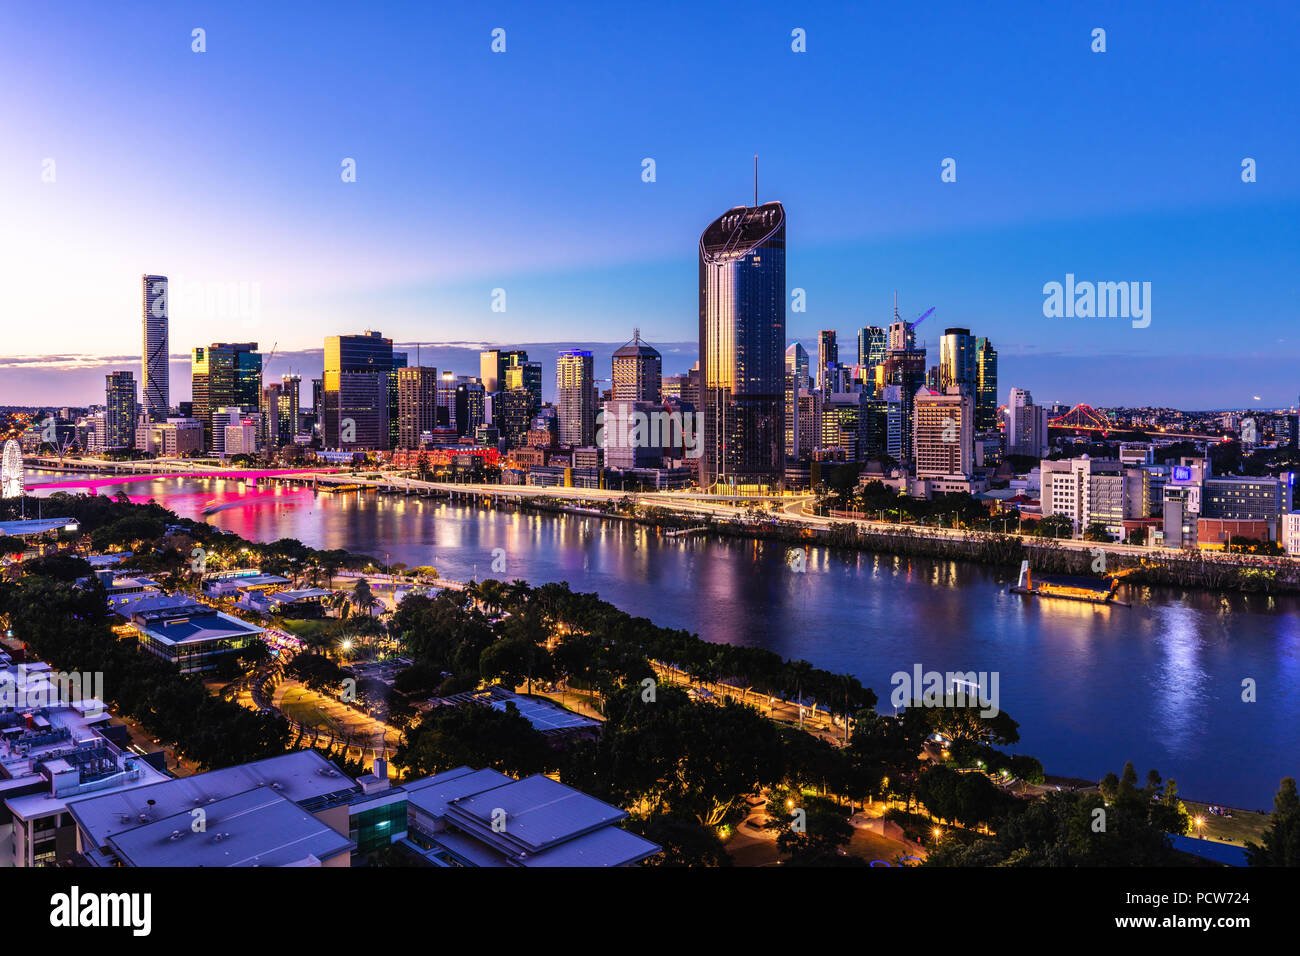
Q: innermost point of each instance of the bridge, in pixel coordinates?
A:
(1085, 418)
(143, 474)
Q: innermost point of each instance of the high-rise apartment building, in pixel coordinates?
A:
(742, 343)
(224, 375)
(637, 372)
(575, 398)
(155, 377)
(943, 433)
(119, 411)
(417, 405)
(1026, 425)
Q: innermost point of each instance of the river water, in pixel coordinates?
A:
(1160, 683)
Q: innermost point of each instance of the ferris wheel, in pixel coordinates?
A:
(11, 471)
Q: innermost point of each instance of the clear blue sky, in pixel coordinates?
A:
(522, 171)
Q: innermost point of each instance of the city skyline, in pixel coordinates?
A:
(425, 244)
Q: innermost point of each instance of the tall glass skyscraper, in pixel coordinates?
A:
(986, 385)
(957, 359)
(224, 375)
(357, 394)
(119, 411)
(742, 347)
(154, 371)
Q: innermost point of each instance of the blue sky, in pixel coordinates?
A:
(522, 171)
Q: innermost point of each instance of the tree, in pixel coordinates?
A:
(1281, 842)
(1096, 531)
(363, 598)
(684, 842)
(475, 736)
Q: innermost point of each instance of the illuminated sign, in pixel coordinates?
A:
(1182, 473)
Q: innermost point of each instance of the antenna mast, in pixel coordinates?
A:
(755, 180)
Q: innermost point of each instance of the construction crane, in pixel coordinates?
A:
(921, 318)
(267, 361)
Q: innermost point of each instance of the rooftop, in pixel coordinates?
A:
(302, 777)
(258, 827)
(29, 527)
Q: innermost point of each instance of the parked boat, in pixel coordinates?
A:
(1088, 590)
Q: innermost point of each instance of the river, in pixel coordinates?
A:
(1160, 683)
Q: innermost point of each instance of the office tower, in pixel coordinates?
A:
(270, 411)
(630, 435)
(317, 393)
(796, 361)
(223, 418)
(943, 433)
(470, 405)
(224, 375)
(986, 385)
(670, 388)
(358, 369)
(513, 409)
(290, 401)
(845, 423)
(901, 334)
(447, 401)
(1026, 425)
(691, 393)
(119, 411)
(828, 353)
(956, 359)
(873, 343)
(637, 372)
(742, 341)
(575, 397)
(809, 424)
(518, 372)
(417, 405)
(399, 362)
(905, 370)
(491, 369)
(155, 372)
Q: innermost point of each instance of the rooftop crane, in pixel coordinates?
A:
(921, 318)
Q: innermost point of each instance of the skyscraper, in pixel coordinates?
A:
(224, 375)
(943, 435)
(358, 369)
(637, 372)
(956, 359)
(986, 385)
(828, 353)
(796, 361)
(575, 397)
(873, 346)
(290, 406)
(119, 411)
(155, 374)
(742, 341)
(417, 405)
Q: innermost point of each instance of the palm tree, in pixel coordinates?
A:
(362, 597)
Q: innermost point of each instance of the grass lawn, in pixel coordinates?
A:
(1243, 825)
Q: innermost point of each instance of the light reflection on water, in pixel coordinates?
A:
(1159, 683)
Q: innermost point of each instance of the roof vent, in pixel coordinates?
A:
(176, 835)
